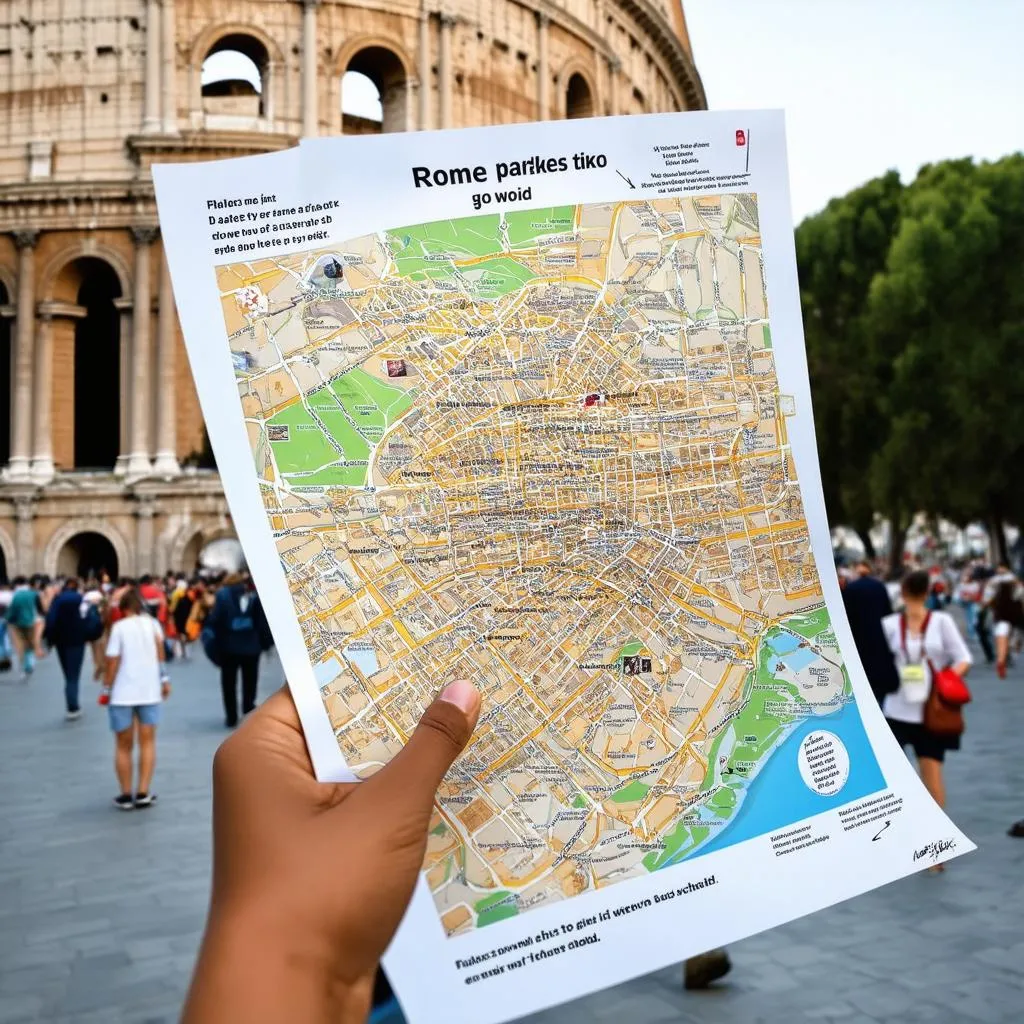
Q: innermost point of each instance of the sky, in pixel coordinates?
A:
(867, 85)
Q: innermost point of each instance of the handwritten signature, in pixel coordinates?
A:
(935, 850)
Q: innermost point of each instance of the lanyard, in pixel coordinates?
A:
(903, 635)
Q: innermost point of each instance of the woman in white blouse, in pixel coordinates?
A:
(943, 646)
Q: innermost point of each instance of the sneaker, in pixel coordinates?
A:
(73, 716)
(124, 802)
(145, 799)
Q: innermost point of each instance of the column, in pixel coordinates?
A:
(168, 68)
(444, 69)
(151, 109)
(166, 463)
(310, 118)
(42, 402)
(424, 71)
(124, 309)
(543, 73)
(144, 535)
(24, 538)
(138, 378)
(25, 328)
(614, 67)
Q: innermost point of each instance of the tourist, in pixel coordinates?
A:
(137, 685)
(95, 596)
(71, 624)
(24, 621)
(1007, 615)
(6, 593)
(867, 604)
(329, 907)
(179, 605)
(239, 634)
(155, 600)
(922, 642)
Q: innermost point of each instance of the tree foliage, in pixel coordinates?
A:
(913, 304)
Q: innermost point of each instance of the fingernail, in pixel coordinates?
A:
(463, 694)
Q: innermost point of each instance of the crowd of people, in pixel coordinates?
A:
(915, 656)
(133, 628)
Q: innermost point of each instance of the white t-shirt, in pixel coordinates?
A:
(133, 640)
(943, 646)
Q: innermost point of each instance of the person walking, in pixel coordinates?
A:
(922, 642)
(137, 686)
(239, 634)
(867, 603)
(1008, 615)
(71, 624)
(6, 661)
(180, 607)
(24, 614)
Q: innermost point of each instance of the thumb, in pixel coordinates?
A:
(413, 775)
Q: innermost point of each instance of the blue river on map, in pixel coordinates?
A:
(778, 796)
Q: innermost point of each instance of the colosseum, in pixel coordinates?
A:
(106, 461)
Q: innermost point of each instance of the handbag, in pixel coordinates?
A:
(940, 718)
(951, 687)
(943, 713)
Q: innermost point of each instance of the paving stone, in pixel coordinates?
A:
(101, 912)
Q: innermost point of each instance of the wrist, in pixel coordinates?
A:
(268, 971)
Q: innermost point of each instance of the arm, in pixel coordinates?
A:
(112, 661)
(161, 658)
(296, 934)
(954, 650)
(110, 667)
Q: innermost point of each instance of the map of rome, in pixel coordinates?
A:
(545, 450)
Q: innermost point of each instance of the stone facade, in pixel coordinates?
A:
(103, 452)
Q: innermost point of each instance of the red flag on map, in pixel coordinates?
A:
(741, 137)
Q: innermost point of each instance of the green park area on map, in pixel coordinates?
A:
(471, 249)
(355, 410)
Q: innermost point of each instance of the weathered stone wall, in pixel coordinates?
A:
(92, 92)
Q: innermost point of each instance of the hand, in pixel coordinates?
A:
(165, 688)
(311, 880)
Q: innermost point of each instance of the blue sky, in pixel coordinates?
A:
(867, 85)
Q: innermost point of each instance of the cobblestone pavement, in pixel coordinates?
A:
(100, 912)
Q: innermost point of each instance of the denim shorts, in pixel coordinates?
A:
(121, 715)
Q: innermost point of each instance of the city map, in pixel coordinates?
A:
(546, 451)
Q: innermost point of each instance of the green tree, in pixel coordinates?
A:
(839, 252)
(952, 289)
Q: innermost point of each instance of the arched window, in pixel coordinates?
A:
(361, 109)
(579, 100)
(374, 95)
(88, 555)
(97, 371)
(235, 78)
(639, 102)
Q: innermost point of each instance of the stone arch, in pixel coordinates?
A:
(262, 50)
(87, 361)
(9, 555)
(579, 97)
(386, 63)
(85, 247)
(72, 528)
(207, 40)
(194, 537)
